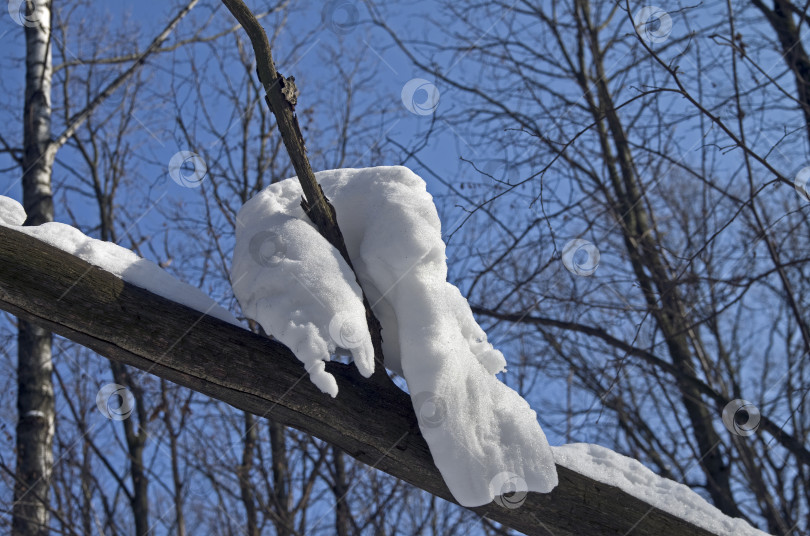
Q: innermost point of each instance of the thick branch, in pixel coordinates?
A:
(372, 422)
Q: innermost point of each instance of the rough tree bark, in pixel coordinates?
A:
(135, 436)
(244, 471)
(173, 433)
(135, 432)
(281, 492)
(340, 489)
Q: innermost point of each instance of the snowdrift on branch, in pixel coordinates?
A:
(501, 412)
(114, 259)
(631, 476)
(484, 437)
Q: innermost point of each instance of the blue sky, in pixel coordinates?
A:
(152, 195)
(302, 49)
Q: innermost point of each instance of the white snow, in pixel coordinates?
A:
(632, 477)
(115, 259)
(11, 212)
(484, 438)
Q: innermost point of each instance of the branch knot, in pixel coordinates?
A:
(289, 89)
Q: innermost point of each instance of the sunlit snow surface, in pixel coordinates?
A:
(629, 475)
(484, 437)
(114, 259)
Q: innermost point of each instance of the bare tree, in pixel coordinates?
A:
(35, 428)
(35, 403)
(644, 148)
(659, 147)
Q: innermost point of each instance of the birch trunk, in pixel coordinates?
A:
(35, 401)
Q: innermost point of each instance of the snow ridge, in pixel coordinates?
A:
(631, 476)
(114, 259)
(484, 437)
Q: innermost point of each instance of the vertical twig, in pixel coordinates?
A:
(281, 96)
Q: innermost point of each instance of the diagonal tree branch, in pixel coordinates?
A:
(371, 421)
